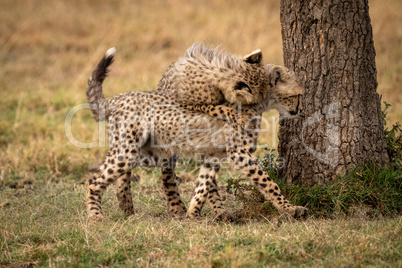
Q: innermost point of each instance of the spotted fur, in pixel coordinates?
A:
(205, 76)
(141, 123)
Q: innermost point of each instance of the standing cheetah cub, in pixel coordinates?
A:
(154, 125)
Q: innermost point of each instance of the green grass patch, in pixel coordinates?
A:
(372, 191)
(368, 191)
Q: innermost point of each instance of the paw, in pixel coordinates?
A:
(178, 211)
(223, 215)
(296, 212)
(128, 209)
(95, 217)
(194, 215)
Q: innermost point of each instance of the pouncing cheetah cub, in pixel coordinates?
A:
(156, 127)
(207, 80)
(205, 76)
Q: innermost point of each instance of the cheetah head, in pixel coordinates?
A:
(284, 92)
(246, 81)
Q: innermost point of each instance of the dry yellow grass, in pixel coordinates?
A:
(48, 49)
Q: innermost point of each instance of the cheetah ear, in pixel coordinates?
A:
(254, 57)
(276, 75)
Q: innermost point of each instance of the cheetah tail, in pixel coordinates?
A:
(95, 96)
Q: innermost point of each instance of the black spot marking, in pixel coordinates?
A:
(207, 165)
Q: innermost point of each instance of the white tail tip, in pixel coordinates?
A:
(110, 52)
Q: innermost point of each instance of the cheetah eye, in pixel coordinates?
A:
(242, 86)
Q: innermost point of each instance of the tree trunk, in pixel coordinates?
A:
(329, 45)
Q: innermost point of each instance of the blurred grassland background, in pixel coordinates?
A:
(49, 48)
(47, 51)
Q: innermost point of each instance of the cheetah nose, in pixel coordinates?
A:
(298, 107)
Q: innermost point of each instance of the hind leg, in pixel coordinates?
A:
(117, 165)
(175, 205)
(124, 196)
(94, 194)
(113, 167)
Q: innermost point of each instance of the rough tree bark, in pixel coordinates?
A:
(329, 45)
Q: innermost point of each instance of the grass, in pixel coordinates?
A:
(47, 51)
(367, 192)
(48, 227)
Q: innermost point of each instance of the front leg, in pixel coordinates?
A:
(176, 207)
(214, 199)
(226, 113)
(249, 167)
(206, 190)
